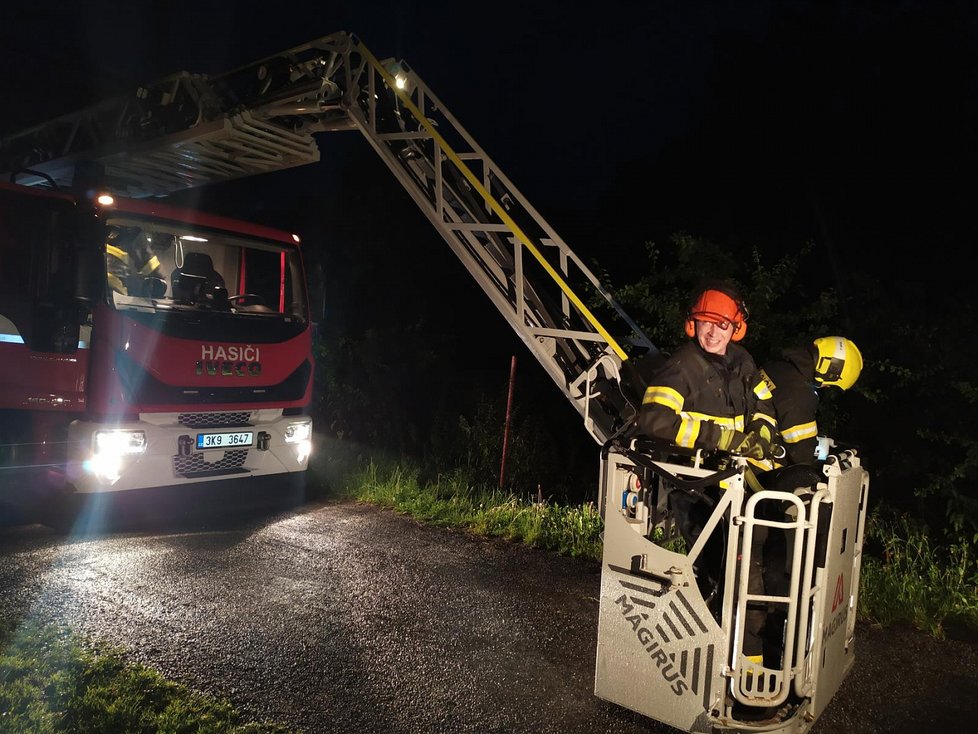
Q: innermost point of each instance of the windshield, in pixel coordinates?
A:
(164, 265)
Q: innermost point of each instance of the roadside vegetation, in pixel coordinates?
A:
(455, 501)
(52, 682)
(907, 577)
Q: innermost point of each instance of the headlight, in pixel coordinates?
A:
(298, 432)
(120, 442)
(110, 448)
(300, 435)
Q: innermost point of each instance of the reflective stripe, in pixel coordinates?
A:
(117, 252)
(115, 282)
(664, 396)
(762, 391)
(18, 339)
(691, 421)
(762, 464)
(689, 431)
(737, 422)
(9, 333)
(800, 432)
(153, 264)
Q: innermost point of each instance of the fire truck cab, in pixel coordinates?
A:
(143, 345)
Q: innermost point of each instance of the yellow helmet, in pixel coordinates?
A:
(837, 362)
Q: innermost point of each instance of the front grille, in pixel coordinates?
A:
(194, 464)
(214, 420)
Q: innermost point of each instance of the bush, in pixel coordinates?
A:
(906, 577)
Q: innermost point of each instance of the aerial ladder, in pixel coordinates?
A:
(670, 630)
(189, 130)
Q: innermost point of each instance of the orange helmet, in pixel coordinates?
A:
(720, 308)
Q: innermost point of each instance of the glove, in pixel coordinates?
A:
(762, 428)
(756, 447)
(751, 445)
(765, 431)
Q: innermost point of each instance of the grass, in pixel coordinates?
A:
(52, 682)
(454, 501)
(907, 577)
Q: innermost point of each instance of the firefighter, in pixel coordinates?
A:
(129, 261)
(709, 395)
(794, 382)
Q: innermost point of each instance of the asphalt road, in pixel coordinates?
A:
(344, 618)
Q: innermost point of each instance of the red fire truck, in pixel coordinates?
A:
(143, 345)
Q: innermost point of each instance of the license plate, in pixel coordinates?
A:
(224, 440)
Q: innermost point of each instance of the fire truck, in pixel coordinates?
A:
(143, 345)
(131, 371)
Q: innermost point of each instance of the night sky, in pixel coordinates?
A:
(850, 122)
(847, 108)
(851, 125)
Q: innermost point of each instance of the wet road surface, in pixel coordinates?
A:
(338, 617)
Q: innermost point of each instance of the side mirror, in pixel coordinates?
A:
(317, 293)
(74, 273)
(86, 243)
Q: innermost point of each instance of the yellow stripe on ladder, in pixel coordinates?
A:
(489, 199)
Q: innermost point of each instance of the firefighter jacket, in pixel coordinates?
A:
(791, 381)
(695, 394)
(128, 265)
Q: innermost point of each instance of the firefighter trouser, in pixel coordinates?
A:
(756, 611)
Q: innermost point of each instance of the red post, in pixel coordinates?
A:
(509, 408)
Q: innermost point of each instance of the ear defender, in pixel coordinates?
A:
(740, 331)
